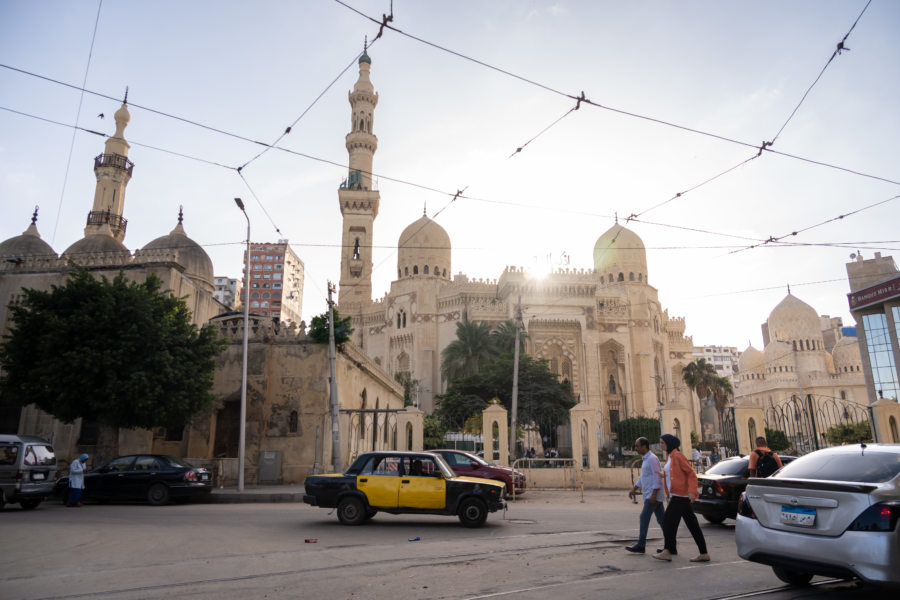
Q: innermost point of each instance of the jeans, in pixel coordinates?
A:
(649, 510)
(680, 508)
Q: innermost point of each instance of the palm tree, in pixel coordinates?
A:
(722, 390)
(472, 349)
(504, 337)
(700, 377)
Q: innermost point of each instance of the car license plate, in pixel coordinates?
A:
(798, 515)
(38, 476)
(204, 476)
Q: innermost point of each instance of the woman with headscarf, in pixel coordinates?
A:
(76, 480)
(681, 483)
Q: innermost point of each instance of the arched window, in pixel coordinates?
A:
(409, 437)
(254, 304)
(444, 273)
(264, 304)
(425, 271)
(631, 277)
(266, 295)
(611, 278)
(612, 385)
(415, 269)
(601, 279)
(362, 125)
(254, 295)
(676, 425)
(404, 319)
(406, 271)
(398, 320)
(640, 277)
(554, 366)
(356, 249)
(795, 345)
(621, 277)
(567, 369)
(436, 270)
(293, 422)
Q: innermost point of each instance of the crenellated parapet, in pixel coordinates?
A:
(262, 329)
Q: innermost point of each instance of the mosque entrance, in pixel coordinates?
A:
(817, 422)
(228, 433)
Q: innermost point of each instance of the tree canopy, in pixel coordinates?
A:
(472, 349)
(700, 376)
(318, 329)
(121, 353)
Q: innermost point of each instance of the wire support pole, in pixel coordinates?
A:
(336, 461)
(514, 405)
(242, 435)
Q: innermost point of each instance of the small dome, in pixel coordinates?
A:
(27, 244)
(751, 359)
(846, 353)
(424, 249)
(794, 319)
(365, 58)
(196, 262)
(97, 243)
(621, 251)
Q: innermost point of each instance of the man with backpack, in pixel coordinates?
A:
(763, 461)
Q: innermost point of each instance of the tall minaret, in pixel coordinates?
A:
(113, 171)
(359, 202)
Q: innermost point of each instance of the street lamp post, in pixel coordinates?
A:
(242, 437)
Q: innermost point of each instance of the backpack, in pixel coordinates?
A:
(766, 464)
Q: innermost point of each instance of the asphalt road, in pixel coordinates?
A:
(547, 545)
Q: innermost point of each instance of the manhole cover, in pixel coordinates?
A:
(522, 521)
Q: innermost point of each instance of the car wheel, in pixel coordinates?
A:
(30, 504)
(472, 512)
(158, 494)
(351, 511)
(792, 577)
(716, 519)
(2, 500)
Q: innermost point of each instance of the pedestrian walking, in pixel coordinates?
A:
(76, 481)
(763, 461)
(651, 486)
(681, 483)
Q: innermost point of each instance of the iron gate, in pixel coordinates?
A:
(816, 423)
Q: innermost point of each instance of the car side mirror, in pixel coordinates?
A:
(474, 465)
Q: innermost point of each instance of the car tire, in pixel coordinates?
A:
(472, 512)
(158, 494)
(31, 503)
(792, 577)
(2, 500)
(351, 511)
(715, 520)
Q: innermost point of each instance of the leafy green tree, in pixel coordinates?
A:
(722, 391)
(628, 430)
(776, 439)
(849, 433)
(409, 386)
(700, 376)
(318, 328)
(695, 440)
(543, 399)
(433, 430)
(120, 353)
(472, 349)
(504, 338)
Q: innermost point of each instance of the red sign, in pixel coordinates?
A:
(874, 294)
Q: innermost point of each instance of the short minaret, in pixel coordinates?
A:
(113, 171)
(357, 196)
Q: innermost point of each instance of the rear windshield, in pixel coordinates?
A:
(865, 466)
(736, 466)
(39, 456)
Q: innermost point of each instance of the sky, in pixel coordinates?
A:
(679, 93)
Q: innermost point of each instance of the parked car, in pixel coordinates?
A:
(833, 512)
(466, 463)
(403, 483)
(27, 470)
(720, 488)
(156, 478)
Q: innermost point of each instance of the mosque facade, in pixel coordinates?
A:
(602, 329)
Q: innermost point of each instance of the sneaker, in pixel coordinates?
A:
(701, 558)
(636, 549)
(664, 555)
(672, 552)
(79, 505)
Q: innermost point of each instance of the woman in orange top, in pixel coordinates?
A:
(681, 482)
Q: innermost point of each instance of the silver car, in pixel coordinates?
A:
(833, 512)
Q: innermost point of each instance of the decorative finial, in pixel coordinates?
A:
(789, 289)
(34, 216)
(617, 217)
(425, 210)
(125, 101)
(180, 214)
(366, 43)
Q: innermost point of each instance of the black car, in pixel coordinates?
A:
(720, 488)
(404, 483)
(156, 478)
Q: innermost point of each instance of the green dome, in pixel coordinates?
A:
(365, 58)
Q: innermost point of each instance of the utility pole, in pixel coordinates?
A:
(242, 430)
(515, 390)
(335, 409)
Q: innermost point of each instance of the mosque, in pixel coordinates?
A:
(602, 329)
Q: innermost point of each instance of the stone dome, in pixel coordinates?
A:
(751, 359)
(196, 262)
(620, 255)
(27, 244)
(96, 243)
(795, 321)
(846, 354)
(423, 249)
(365, 58)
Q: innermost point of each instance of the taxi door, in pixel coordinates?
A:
(423, 487)
(380, 481)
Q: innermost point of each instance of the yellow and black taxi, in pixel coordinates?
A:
(404, 483)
